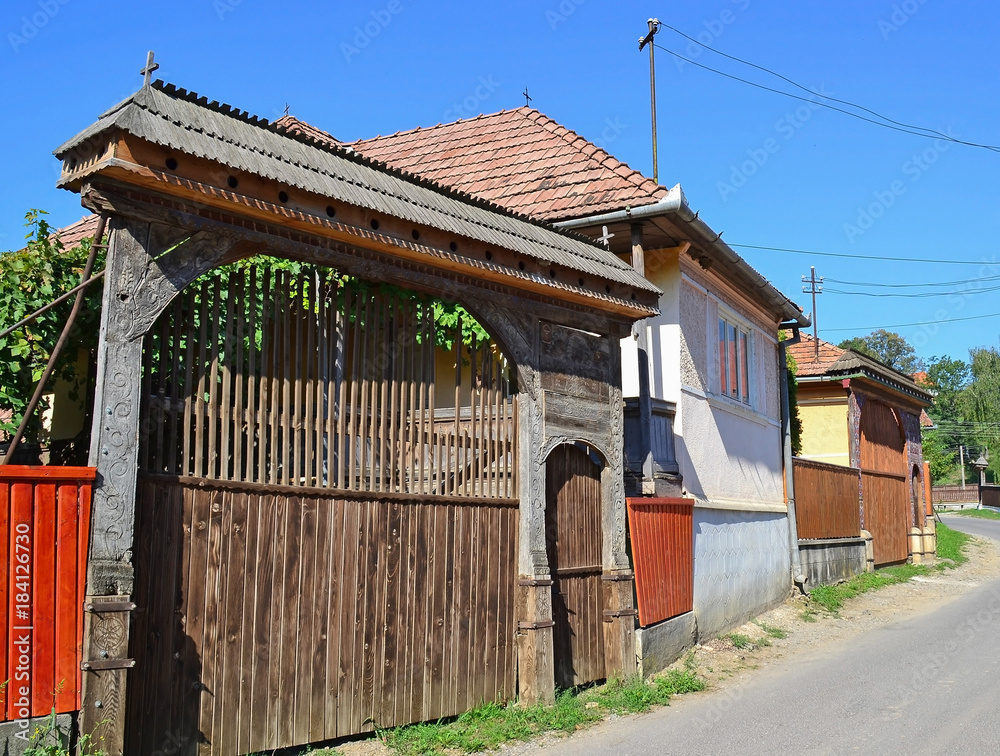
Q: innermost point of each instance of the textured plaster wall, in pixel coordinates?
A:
(824, 432)
(728, 457)
(663, 335)
(694, 339)
(741, 566)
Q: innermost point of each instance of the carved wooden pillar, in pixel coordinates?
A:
(137, 288)
(536, 661)
(619, 609)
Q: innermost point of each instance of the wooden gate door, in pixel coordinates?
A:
(323, 547)
(884, 488)
(573, 542)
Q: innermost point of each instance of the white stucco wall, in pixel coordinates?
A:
(741, 567)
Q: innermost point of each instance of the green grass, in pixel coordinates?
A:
(491, 725)
(986, 514)
(771, 630)
(951, 543)
(739, 640)
(832, 597)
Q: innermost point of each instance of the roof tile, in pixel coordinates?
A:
(547, 170)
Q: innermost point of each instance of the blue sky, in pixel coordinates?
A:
(764, 169)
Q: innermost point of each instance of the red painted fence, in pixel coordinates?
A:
(44, 534)
(662, 533)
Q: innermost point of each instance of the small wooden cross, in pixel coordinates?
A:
(147, 72)
(526, 98)
(605, 238)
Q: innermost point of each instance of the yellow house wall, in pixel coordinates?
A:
(825, 431)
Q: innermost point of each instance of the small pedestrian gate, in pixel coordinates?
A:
(327, 515)
(573, 543)
(884, 488)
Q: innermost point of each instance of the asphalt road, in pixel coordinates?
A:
(929, 684)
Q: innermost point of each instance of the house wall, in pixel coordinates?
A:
(729, 453)
(825, 435)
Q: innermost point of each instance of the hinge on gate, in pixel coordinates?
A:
(535, 582)
(618, 577)
(100, 607)
(535, 625)
(611, 614)
(96, 665)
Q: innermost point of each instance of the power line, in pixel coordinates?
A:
(806, 89)
(923, 323)
(992, 148)
(920, 295)
(863, 257)
(914, 285)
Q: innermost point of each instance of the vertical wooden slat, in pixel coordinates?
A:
(67, 601)
(213, 455)
(309, 381)
(227, 412)
(252, 299)
(43, 599)
(261, 728)
(237, 410)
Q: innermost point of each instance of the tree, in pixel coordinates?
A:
(948, 378)
(889, 348)
(30, 278)
(979, 403)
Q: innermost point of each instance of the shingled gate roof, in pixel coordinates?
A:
(521, 159)
(177, 119)
(836, 363)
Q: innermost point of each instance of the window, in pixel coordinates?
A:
(734, 361)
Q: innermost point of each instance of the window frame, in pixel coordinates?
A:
(736, 359)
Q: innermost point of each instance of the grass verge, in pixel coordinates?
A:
(491, 725)
(951, 543)
(985, 514)
(832, 597)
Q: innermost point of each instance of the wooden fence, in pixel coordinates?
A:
(662, 533)
(990, 496)
(44, 536)
(954, 494)
(827, 503)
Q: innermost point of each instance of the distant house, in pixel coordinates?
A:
(856, 412)
(710, 359)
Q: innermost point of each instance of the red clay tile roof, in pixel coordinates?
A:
(74, 233)
(520, 159)
(295, 127)
(805, 355)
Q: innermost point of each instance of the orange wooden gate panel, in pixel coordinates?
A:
(662, 533)
(44, 536)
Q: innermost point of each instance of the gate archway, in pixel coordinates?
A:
(884, 488)
(573, 538)
(328, 512)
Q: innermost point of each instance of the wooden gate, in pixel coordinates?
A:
(326, 519)
(573, 543)
(884, 488)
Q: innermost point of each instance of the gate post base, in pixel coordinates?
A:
(105, 646)
(619, 624)
(535, 659)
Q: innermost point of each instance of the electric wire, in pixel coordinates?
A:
(912, 325)
(862, 257)
(806, 89)
(992, 148)
(919, 295)
(913, 285)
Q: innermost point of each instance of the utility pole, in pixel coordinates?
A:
(961, 458)
(815, 287)
(654, 27)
